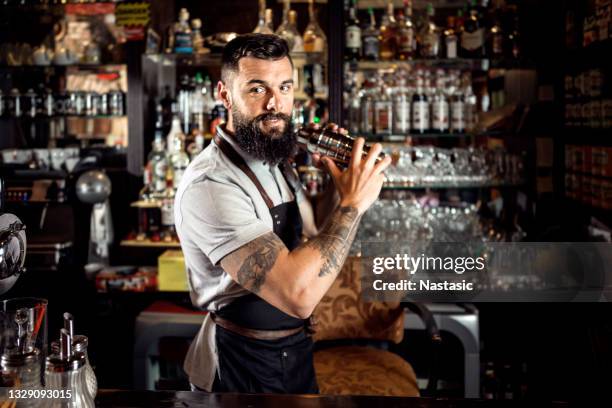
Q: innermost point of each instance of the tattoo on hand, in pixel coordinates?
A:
(335, 239)
(262, 256)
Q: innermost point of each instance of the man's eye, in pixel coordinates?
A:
(285, 88)
(258, 90)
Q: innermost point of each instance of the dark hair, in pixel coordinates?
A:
(262, 46)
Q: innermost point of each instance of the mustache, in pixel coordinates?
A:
(272, 116)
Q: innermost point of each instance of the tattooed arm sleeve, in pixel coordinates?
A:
(295, 281)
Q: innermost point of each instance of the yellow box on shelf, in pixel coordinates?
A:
(172, 276)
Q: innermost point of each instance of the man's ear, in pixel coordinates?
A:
(225, 95)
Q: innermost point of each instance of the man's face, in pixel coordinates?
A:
(260, 103)
(262, 87)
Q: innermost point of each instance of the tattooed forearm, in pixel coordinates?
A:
(259, 257)
(335, 239)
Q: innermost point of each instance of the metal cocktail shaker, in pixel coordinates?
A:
(335, 145)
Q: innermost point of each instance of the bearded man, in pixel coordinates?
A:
(241, 215)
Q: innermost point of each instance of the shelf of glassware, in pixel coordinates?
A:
(214, 59)
(403, 138)
(396, 185)
(484, 64)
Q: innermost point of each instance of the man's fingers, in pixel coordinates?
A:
(372, 155)
(382, 165)
(333, 170)
(357, 153)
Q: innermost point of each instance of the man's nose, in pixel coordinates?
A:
(275, 102)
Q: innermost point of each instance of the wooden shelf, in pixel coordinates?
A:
(150, 244)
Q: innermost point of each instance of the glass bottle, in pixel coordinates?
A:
(473, 35)
(450, 39)
(429, 37)
(388, 31)
(197, 145)
(158, 163)
(439, 107)
(406, 39)
(314, 37)
(21, 372)
(367, 110)
(262, 26)
(174, 134)
(457, 106)
(383, 111)
(197, 101)
(420, 107)
(298, 42)
(401, 109)
(371, 43)
(179, 160)
(81, 343)
(183, 43)
(281, 30)
(471, 103)
(352, 33)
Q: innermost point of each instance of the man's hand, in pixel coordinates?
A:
(360, 184)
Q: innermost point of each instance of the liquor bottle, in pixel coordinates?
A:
(262, 26)
(352, 47)
(209, 104)
(420, 107)
(314, 37)
(388, 31)
(179, 160)
(401, 109)
(450, 39)
(197, 102)
(429, 37)
(158, 164)
(471, 103)
(183, 43)
(512, 48)
(288, 30)
(457, 106)
(168, 229)
(383, 111)
(184, 102)
(371, 43)
(495, 36)
(197, 145)
(354, 99)
(406, 39)
(367, 110)
(174, 134)
(440, 122)
(473, 35)
(281, 30)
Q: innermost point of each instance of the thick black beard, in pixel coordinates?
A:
(272, 147)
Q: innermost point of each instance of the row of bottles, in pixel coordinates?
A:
(45, 103)
(186, 38)
(477, 31)
(415, 102)
(588, 103)
(313, 39)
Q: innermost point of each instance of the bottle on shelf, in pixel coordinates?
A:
(157, 167)
(197, 102)
(174, 134)
(440, 121)
(388, 33)
(262, 24)
(183, 42)
(450, 39)
(495, 36)
(168, 229)
(406, 38)
(352, 34)
(420, 106)
(457, 105)
(314, 37)
(184, 102)
(166, 104)
(218, 114)
(179, 160)
(288, 30)
(367, 109)
(429, 36)
(383, 111)
(371, 42)
(401, 109)
(471, 103)
(281, 30)
(473, 34)
(197, 145)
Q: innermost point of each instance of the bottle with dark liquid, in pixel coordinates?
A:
(335, 145)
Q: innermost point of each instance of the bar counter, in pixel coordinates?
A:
(163, 399)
